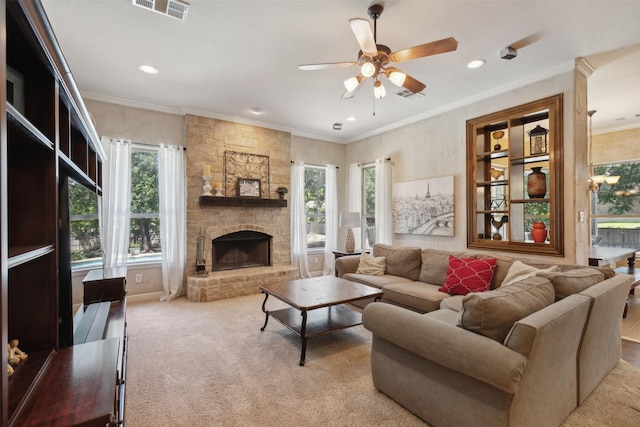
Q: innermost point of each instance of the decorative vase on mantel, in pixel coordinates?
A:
(539, 232)
(537, 183)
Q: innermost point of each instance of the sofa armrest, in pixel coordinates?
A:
(347, 264)
(452, 347)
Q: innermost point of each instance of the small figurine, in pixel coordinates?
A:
(9, 370)
(15, 354)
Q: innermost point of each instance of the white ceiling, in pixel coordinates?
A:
(230, 56)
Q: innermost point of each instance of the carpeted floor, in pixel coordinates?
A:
(208, 364)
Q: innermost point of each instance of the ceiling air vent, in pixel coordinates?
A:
(407, 94)
(175, 8)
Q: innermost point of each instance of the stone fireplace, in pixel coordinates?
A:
(233, 269)
(242, 249)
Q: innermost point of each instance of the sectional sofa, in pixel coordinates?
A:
(525, 352)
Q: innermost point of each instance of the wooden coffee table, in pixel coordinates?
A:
(317, 305)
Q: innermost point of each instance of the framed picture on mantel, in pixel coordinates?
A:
(248, 187)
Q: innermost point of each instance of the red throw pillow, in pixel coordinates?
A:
(466, 275)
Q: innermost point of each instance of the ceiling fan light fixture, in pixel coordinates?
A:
(378, 90)
(397, 77)
(368, 69)
(352, 83)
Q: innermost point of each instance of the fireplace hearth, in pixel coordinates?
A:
(241, 249)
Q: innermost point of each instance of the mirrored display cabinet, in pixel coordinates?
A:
(514, 172)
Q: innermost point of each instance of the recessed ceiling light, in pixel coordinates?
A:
(352, 118)
(476, 63)
(257, 111)
(148, 69)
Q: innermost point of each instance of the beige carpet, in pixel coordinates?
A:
(208, 364)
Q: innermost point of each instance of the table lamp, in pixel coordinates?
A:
(350, 219)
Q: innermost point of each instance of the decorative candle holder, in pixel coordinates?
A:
(207, 186)
(218, 191)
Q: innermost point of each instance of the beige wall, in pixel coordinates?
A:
(436, 147)
(416, 151)
(617, 146)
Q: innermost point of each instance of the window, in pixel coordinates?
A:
(368, 206)
(144, 240)
(314, 205)
(85, 227)
(615, 211)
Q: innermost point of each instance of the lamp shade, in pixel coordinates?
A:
(350, 219)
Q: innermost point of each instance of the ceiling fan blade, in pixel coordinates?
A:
(362, 30)
(427, 49)
(413, 85)
(313, 67)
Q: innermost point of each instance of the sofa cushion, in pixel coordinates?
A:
(466, 275)
(453, 303)
(520, 271)
(417, 296)
(572, 281)
(493, 313)
(434, 266)
(401, 261)
(375, 281)
(447, 316)
(370, 265)
(503, 264)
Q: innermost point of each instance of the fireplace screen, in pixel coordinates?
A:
(242, 249)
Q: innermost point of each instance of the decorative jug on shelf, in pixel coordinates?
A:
(537, 183)
(539, 232)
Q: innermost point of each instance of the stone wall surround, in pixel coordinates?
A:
(207, 140)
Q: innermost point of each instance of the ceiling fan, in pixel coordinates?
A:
(374, 59)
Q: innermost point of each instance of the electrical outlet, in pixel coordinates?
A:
(138, 278)
(581, 216)
(316, 259)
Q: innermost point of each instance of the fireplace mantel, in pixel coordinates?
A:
(242, 202)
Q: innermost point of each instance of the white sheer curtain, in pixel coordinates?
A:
(298, 221)
(384, 230)
(354, 196)
(172, 211)
(116, 201)
(331, 219)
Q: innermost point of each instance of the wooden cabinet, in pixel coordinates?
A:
(47, 138)
(514, 173)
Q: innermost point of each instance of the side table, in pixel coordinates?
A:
(339, 254)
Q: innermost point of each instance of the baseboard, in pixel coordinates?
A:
(151, 296)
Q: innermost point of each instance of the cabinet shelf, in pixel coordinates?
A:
(23, 254)
(492, 183)
(20, 125)
(530, 200)
(497, 154)
(530, 159)
(513, 165)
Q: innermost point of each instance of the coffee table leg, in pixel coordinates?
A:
(303, 336)
(265, 311)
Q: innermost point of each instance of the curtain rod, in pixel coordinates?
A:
(311, 164)
(388, 159)
(143, 144)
